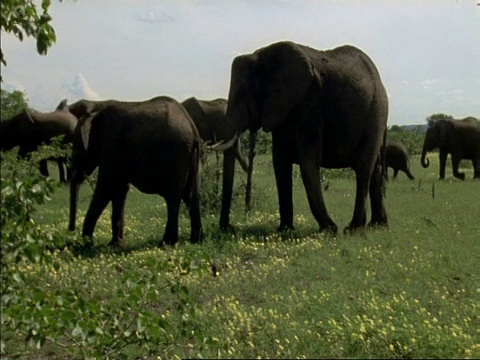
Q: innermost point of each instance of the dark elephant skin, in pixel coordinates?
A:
(396, 157)
(325, 109)
(459, 138)
(210, 118)
(29, 130)
(153, 145)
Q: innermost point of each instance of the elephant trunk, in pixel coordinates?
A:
(424, 160)
(222, 145)
(251, 155)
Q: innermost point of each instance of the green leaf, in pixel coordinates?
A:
(17, 277)
(36, 189)
(78, 332)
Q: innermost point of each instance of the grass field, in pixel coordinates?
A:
(409, 291)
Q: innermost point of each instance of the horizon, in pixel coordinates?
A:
(427, 52)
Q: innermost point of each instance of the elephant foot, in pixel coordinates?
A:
(285, 227)
(460, 176)
(227, 228)
(169, 240)
(196, 237)
(378, 224)
(116, 243)
(330, 229)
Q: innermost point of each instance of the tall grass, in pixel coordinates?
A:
(408, 291)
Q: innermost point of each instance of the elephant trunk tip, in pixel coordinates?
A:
(425, 162)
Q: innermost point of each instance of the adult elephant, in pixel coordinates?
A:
(396, 157)
(29, 130)
(153, 145)
(210, 118)
(324, 109)
(460, 138)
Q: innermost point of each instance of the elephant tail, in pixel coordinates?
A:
(383, 163)
(192, 189)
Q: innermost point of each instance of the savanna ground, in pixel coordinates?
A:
(409, 291)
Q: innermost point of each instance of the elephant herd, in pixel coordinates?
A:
(325, 109)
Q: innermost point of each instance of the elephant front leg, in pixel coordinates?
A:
(119, 199)
(443, 162)
(283, 177)
(476, 168)
(61, 171)
(101, 198)
(44, 168)
(455, 165)
(311, 181)
(227, 187)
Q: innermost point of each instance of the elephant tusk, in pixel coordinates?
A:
(222, 146)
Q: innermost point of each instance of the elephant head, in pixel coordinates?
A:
(83, 108)
(16, 131)
(438, 135)
(266, 85)
(85, 157)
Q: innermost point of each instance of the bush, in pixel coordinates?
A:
(70, 313)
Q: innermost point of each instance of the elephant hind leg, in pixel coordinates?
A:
(191, 198)
(170, 236)
(409, 174)
(377, 187)
(395, 172)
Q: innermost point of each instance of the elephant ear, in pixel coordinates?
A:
(194, 108)
(447, 131)
(288, 74)
(62, 106)
(30, 120)
(85, 126)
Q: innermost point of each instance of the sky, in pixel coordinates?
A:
(427, 51)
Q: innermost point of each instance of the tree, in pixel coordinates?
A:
(436, 117)
(395, 128)
(24, 19)
(12, 103)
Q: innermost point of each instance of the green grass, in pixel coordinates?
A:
(409, 291)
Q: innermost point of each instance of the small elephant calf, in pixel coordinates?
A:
(396, 157)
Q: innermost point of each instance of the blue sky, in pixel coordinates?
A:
(427, 52)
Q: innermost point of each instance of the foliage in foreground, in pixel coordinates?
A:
(69, 314)
(408, 292)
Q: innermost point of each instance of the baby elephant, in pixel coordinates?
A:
(396, 157)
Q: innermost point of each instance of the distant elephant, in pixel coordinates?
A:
(325, 109)
(396, 157)
(29, 130)
(460, 138)
(153, 145)
(210, 118)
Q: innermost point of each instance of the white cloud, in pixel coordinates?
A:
(427, 84)
(455, 93)
(79, 88)
(13, 86)
(153, 16)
